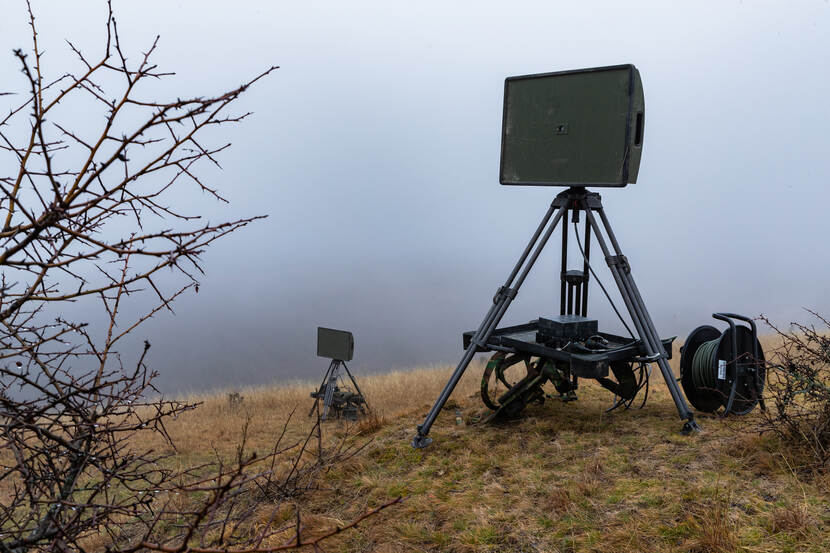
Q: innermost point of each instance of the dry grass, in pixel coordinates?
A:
(566, 477)
(216, 423)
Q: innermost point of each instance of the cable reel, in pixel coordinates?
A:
(723, 369)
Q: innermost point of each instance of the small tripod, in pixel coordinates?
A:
(573, 199)
(346, 404)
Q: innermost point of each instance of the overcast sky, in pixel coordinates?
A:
(374, 150)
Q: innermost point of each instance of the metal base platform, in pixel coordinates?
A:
(573, 300)
(523, 339)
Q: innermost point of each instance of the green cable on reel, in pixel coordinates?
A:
(723, 370)
(703, 373)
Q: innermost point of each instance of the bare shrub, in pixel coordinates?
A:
(798, 388)
(89, 215)
(311, 461)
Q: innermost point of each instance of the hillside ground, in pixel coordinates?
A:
(565, 477)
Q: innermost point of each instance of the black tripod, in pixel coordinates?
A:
(328, 387)
(573, 199)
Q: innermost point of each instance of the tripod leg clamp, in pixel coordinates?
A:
(504, 293)
(619, 261)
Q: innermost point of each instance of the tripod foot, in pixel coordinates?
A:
(420, 441)
(568, 396)
(689, 427)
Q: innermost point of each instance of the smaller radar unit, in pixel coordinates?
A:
(337, 398)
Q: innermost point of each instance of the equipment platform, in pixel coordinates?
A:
(586, 361)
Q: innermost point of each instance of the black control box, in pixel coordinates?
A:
(566, 327)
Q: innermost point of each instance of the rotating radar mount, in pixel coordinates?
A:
(577, 129)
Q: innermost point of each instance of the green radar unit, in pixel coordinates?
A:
(578, 129)
(337, 398)
(573, 128)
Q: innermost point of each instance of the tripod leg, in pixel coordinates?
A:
(501, 302)
(563, 286)
(639, 314)
(586, 268)
(668, 374)
(356, 387)
(321, 389)
(330, 386)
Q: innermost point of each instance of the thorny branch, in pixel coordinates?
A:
(798, 387)
(88, 214)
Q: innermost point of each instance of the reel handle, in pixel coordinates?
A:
(752, 327)
(728, 317)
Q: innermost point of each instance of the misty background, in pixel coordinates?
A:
(374, 151)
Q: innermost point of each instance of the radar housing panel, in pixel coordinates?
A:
(335, 344)
(573, 128)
